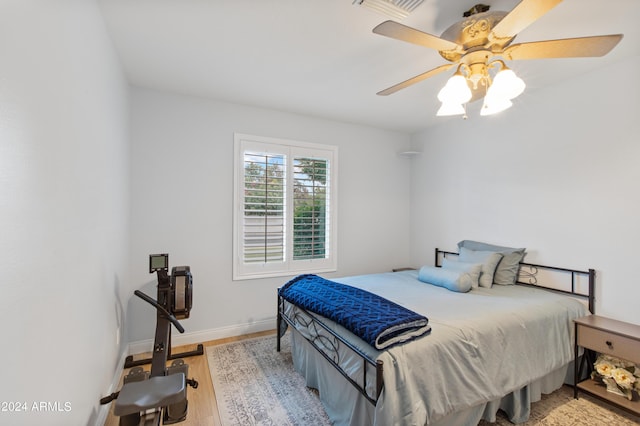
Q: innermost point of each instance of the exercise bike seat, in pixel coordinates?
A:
(158, 391)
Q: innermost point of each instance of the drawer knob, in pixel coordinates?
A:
(610, 344)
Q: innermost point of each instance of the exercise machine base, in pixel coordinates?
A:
(129, 361)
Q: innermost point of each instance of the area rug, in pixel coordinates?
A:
(256, 385)
(561, 409)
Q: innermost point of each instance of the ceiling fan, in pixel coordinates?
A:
(482, 41)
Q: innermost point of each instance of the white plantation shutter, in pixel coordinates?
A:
(285, 202)
(311, 203)
(264, 207)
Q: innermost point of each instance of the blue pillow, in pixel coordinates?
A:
(489, 260)
(473, 269)
(508, 268)
(451, 280)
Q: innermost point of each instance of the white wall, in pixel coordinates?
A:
(64, 209)
(182, 203)
(557, 173)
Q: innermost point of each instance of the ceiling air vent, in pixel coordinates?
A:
(397, 9)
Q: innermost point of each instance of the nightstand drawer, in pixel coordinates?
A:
(609, 343)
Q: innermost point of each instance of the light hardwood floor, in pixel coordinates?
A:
(203, 410)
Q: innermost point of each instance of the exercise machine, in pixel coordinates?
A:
(159, 396)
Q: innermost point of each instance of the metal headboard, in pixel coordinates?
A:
(533, 275)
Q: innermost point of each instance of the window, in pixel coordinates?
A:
(285, 204)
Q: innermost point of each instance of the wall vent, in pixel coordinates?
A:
(398, 9)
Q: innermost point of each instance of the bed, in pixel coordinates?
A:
(491, 348)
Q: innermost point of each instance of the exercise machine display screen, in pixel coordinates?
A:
(158, 262)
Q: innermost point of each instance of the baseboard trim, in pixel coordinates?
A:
(177, 339)
(103, 410)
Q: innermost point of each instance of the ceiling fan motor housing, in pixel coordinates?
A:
(473, 33)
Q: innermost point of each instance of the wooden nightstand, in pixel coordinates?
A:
(611, 337)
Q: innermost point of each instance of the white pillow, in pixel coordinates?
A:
(489, 260)
(473, 269)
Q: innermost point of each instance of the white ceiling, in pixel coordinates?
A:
(320, 57)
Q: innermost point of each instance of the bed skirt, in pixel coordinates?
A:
(346, 406)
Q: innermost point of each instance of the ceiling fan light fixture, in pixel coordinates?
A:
(506, 84)
(494, 105)
(447, 109)
(456, 91)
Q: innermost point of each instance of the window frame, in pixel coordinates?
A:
(291, 149)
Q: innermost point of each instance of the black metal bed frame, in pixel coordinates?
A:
(329, 343)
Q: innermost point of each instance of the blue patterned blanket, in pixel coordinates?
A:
(376, 320)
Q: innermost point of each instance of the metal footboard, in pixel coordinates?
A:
(331, 345)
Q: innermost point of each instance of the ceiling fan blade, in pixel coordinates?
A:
(581, 47)
(524, 14)
(414, 80)
(398, 31)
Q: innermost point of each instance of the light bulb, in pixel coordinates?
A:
(506, 85)
(448, 108)
(494, 105)
(456, 91)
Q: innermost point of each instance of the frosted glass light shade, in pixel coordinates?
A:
(450, 109)
(506, 85)
(456, 91)
(494, 106)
